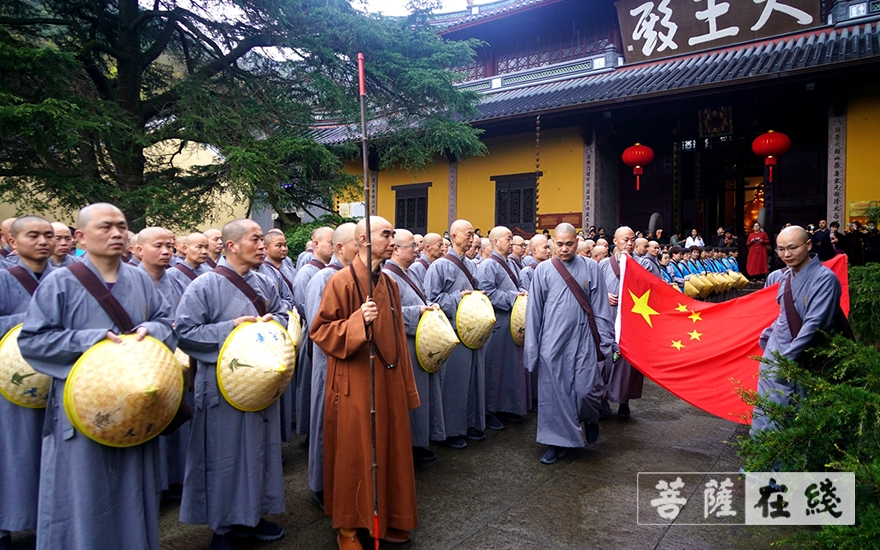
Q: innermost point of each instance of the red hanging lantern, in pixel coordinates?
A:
(771, 145)
(637, 156)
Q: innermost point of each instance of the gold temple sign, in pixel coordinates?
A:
(662, 28)
(550, 221)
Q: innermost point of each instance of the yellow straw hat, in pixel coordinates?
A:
(122, 395)
(255, 365)
(19, 382)
(518, 320)
(435, 340)
(690, 290)
(294, 327)
(183, 359)
(474, 319)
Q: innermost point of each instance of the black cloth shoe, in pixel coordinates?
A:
(221, 542)
(174, 492)
(592, 433)
(455, 442)
(552, 454)
(493, 423)
(423, 454)
(6, 542)
(475, 434)
(509, 417)
(623, 410)
(265, 530)
(605, 410)
(318, 497)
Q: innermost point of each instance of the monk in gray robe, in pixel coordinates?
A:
(815, 293)
(233, 464)
(7, 258)
(93, 496)
(322, 252)
(650, 260)
(539, 246)
(61, 257)
(623, 381)
(517, 252)
(561, 348)
(463, 376)
(346, 250)
(505, 377)
(432, 245)
(155, 247)
(195, 250)
(426, 421)
(276, 257)
(215, 247)
(21, 427)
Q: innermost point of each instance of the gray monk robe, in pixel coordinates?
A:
(284, 287)
(526, 275)
(20, 427)
(172, 448)
(314, 291)
(463, 376)
(91, 496)
(816, 296)
(505, 376)
(560, 349)
(185, 273)
(302, 377)
(233, 462)
(418, 269)
(623, 381)
(426, 421)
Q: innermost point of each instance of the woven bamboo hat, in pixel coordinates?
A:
(294, 327)
(255, 365)
(183, 359)
(690, 290)
(122, 395)
(435, 340)
(518, 320)
(474, 319)
(19, 382)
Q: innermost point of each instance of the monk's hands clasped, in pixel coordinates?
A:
(370, 311)
(244, 319)
(141, 333)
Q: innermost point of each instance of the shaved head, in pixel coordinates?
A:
(195, 238)
(150, 233)
(433, 238)
(88, 213)
(795, 232)
(236, 229)
(564, 229)
(403, 237)
(19, 224)
(273, 235)
(4, 227)
(344, 234)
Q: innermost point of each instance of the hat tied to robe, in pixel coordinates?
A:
(518, 320)
(19, 382)
(435, 340)
(474, 319)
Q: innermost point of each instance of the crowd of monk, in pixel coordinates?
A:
(225, 464)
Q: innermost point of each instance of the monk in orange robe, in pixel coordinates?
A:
(341, 328)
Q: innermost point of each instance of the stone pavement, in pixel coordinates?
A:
(496, 495)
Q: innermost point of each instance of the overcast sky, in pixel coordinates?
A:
(398, 7)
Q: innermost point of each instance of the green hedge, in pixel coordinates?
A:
(298, 236)
(835, 427)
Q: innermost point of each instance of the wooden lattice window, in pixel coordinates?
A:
(411, 207)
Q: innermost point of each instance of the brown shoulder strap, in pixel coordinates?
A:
(5, 253)
(239, 283)
(452, 257)
(29, 283)
(423, 262)
(399, 272)
(507, 269)
(185, 270)
(211, 263)
(581, 298)
(99, 292)
(281, 273)
(615, 266)
(791, 315)
(317, 263)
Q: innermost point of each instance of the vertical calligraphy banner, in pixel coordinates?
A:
(589, 204)
(837, 169)
(453, 193)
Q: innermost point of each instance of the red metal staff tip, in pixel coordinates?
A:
(361, 82)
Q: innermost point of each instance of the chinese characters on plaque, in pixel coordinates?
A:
(660, 28)
(759, 498)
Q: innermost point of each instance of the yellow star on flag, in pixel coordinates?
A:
(640, 306)
(695, 335)
(677, 344)
(682, 308)
(695, 316)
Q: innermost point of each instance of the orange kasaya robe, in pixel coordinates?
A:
(338, 329)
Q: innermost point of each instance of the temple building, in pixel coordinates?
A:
(567, 86)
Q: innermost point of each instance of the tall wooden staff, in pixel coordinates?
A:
(367, 211)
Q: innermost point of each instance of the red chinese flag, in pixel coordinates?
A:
(837, 264)
(699, 351)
